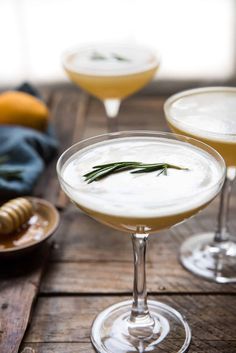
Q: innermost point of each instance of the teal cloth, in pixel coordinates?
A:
(26, 149)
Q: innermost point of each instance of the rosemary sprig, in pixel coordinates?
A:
(103, 170)
(100, 57)
(97, 56)
(7, 173)
(119, 57)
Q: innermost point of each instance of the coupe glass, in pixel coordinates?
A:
(139, 325)
(111, 72)
(209, 114)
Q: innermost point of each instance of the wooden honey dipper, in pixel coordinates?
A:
(14, 213)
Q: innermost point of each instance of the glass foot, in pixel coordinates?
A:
(112, 330)
(212, 260)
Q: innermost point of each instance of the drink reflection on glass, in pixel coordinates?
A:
(209, 114)
(140, 183)
(111, 72)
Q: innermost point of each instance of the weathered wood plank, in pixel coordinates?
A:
(68, 319)
(117, 277)
(136, 113)
(197, 346)
(63, 108)
(68, 347)
(19, 284)
(78, 131)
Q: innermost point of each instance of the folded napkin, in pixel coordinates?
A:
(27, 150)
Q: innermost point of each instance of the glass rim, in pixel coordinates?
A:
(76, 49)
(150, 133)
(177, 96)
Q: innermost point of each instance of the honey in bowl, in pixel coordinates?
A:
(33, 230)
(42, 223)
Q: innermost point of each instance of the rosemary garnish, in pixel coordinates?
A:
(119, 57)
(103, 170)
(98, 56)
(7, 173)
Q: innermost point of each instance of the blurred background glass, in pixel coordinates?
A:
(196, 38)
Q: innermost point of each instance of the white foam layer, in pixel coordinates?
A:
(143, 195)
(208, 114)
(135, 59)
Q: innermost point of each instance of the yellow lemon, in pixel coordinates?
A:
(19, 108)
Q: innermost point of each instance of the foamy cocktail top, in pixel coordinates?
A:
(205, 113)
(110, 60)
(143, 195)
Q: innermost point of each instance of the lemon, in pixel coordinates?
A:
(19, 108)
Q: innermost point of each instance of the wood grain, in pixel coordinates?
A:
(136, 113)
(72, 318)
(197, 346)
(63, 117)
(78, 130)
(117, 277)
(19, 284)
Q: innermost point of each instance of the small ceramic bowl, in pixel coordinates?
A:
(41, 226)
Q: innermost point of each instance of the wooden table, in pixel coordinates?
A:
(91, 266)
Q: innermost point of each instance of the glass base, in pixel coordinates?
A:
(112, 330)
(212, 260)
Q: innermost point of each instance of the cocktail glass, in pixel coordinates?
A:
(209, 114)
(133, 204)
(111, 72)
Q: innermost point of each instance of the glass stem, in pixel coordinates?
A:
(222, 231)
(112, 107)
(141, 320)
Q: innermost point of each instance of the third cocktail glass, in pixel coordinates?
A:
(111, 72)
(209, 114)
(140, 182)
